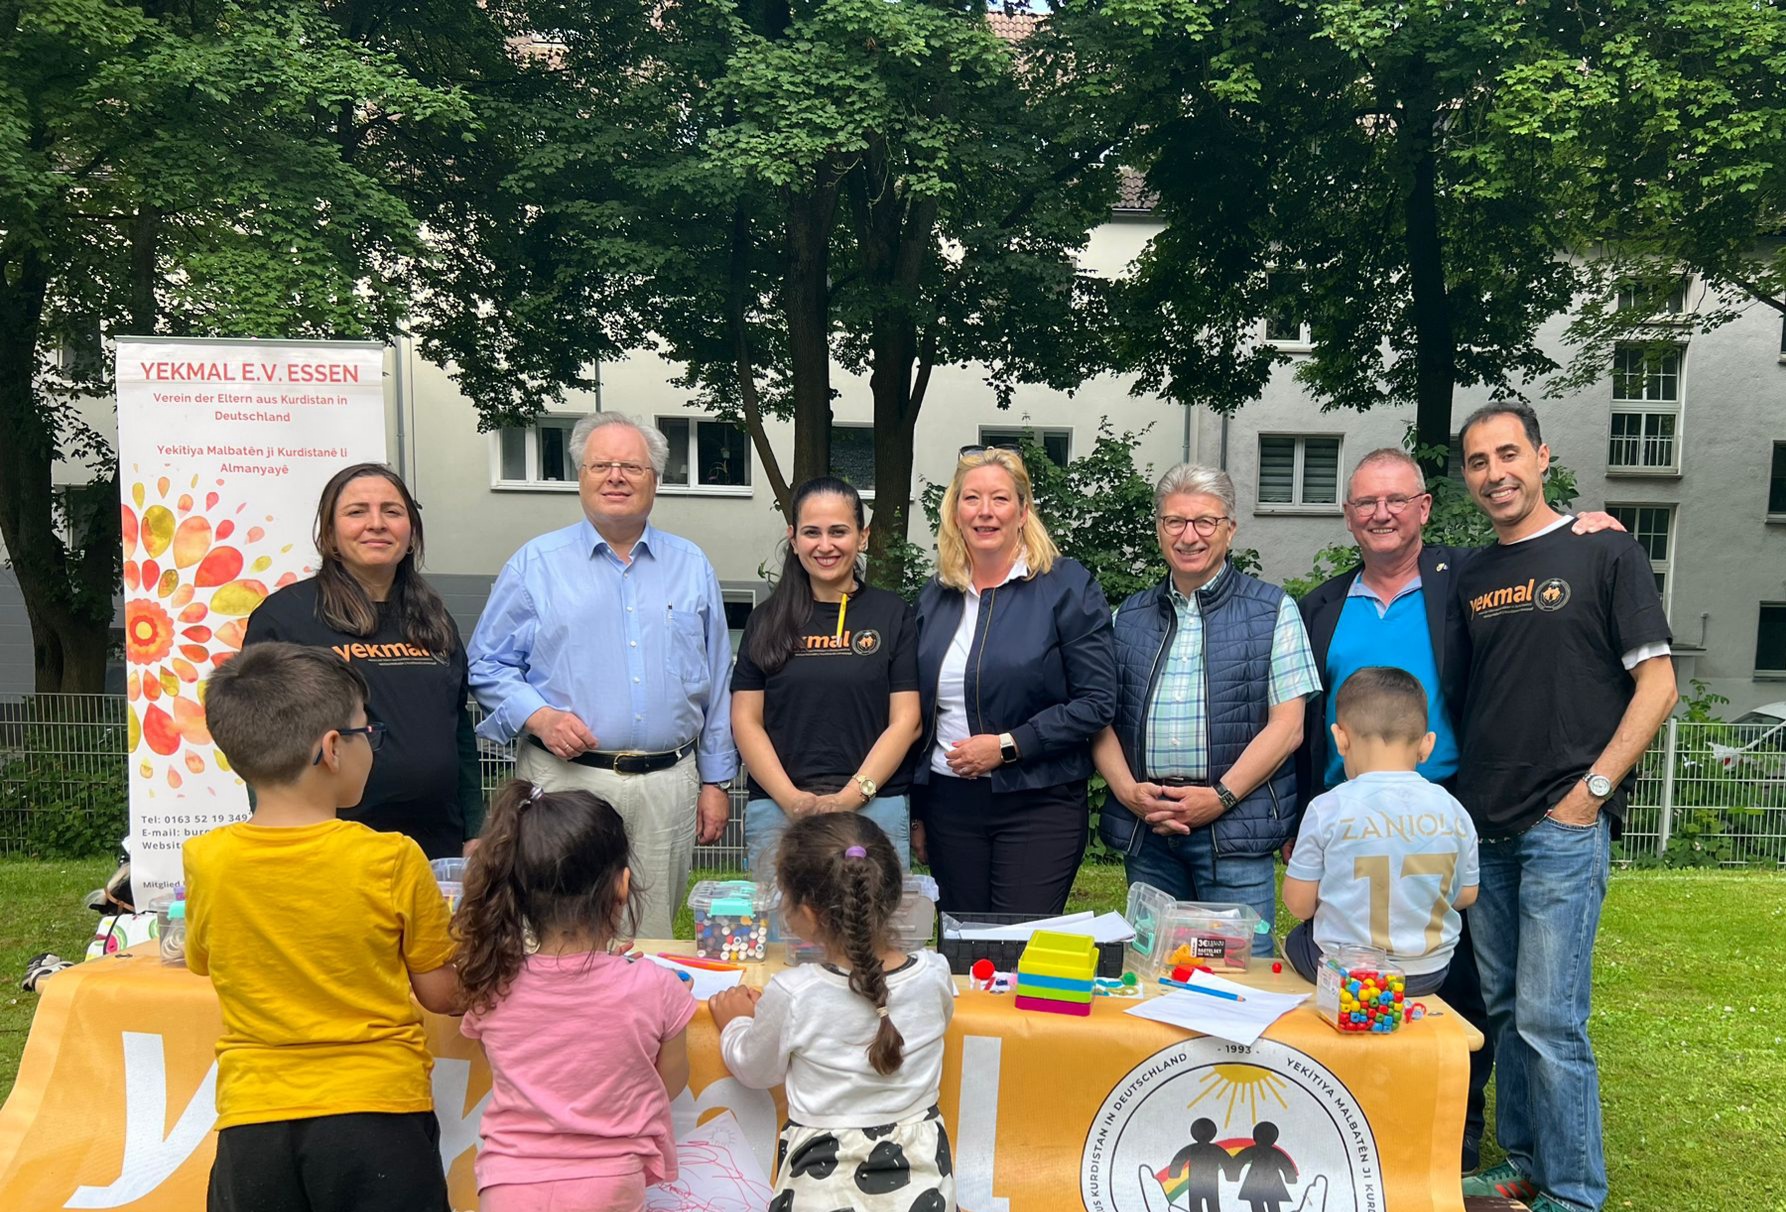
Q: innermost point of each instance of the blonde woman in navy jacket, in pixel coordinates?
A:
(1017, 674)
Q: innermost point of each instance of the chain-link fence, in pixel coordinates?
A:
(62, 788)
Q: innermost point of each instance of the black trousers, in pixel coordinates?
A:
(358, 1162)
(1011, 852)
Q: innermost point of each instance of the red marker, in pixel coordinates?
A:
(695, 961)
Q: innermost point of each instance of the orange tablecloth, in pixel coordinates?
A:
(113, 1104)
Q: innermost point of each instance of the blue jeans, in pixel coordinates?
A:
(764, 822)
(1186, 868)
(1533, 924)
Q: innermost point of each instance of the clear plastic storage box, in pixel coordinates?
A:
(913, 924)
(449, 873)
(1358, 990)
(732, 920)
(1171, 934)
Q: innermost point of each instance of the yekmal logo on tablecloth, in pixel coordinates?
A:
(1209, 1126)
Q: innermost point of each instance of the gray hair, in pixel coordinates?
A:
(1197, 479)
(1388, 454)
(657, 447)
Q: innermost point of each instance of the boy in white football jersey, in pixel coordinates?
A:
(1386, 859)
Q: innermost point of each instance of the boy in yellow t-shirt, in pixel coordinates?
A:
(314, 930)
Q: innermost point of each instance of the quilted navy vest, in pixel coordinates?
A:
(1239, 618)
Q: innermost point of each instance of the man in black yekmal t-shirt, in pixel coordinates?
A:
(1564, 646)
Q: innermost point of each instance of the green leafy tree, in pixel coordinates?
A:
(1358, 166)
(224, 168)
(771, 187)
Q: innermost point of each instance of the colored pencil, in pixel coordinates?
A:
(1206, 992)
(695, 961)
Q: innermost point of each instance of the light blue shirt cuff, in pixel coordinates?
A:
(717, 767)
(505, 723)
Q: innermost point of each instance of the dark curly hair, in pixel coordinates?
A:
(547, 861)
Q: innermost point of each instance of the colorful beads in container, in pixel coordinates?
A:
(1358, 989)
(731, 920)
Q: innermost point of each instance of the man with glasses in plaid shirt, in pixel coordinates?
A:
(1212, 669)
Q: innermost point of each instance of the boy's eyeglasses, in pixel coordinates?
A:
(969, 451)
(1203, 526)
(373, 732)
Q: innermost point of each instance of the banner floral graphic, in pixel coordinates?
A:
(194, 570)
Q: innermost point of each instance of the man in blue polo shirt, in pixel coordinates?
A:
(1391, 611)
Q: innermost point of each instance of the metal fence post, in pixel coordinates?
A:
(1669, 749)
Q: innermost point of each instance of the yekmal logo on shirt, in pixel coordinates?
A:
(1192, 1128)
(1553, 594)
(861, 643)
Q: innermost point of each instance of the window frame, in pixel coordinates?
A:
(1665, 567)
(1304, 341)
(1624, 300)
(1776, 457)
(867, 494)
(1760, 674)
(992, 435)
(499, 483)
(1624, 406)
(667, 487)
(1298, 477)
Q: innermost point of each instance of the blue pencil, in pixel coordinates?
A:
(1206, 992)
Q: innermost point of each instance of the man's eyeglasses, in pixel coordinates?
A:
(969, 451)
(1366, 507)
(373, 732)
(1203, 526)
(632, 471)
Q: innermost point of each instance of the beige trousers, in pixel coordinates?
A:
(659, 810)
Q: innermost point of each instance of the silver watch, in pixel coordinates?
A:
(1599, 786)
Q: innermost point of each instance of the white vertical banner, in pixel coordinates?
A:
(223, 448)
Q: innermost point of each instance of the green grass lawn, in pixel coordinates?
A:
(1689, 1019)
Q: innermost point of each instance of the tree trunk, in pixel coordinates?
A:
(745, 362)
(1435, 342)
(806, 301)
(68, 641)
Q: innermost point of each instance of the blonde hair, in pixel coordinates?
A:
(954, 567)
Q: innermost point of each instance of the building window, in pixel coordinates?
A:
(705, 454)
(1287, 321)
(1646, 409)
(852, 455)
(1635, 296)
(1653, 528)
(1298, 471)
(539, 453)
(738, 603)
(1055, 443)
(1776, 485)
(1770, 640)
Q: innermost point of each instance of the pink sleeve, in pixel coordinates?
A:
(677, 1002)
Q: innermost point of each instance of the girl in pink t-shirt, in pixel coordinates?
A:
(586, 1050)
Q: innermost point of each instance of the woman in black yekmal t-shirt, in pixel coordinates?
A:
(369, 605)
(825, 691)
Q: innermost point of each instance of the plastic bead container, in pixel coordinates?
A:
(449, 873)
(1359, 990)
(913, 924)
(732, 920)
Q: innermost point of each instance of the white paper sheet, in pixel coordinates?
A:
(705, 982)
(1242, 1022)
(717, 1172)
(1104, 928)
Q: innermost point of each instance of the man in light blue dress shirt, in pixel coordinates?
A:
(604, 645)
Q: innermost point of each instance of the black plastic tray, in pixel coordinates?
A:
(1004, 953)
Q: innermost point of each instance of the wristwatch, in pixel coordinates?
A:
(867, 786)
(1007, 748)
(1223, 794)
(1599, 786)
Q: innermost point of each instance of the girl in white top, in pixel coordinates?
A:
(857, 1041)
